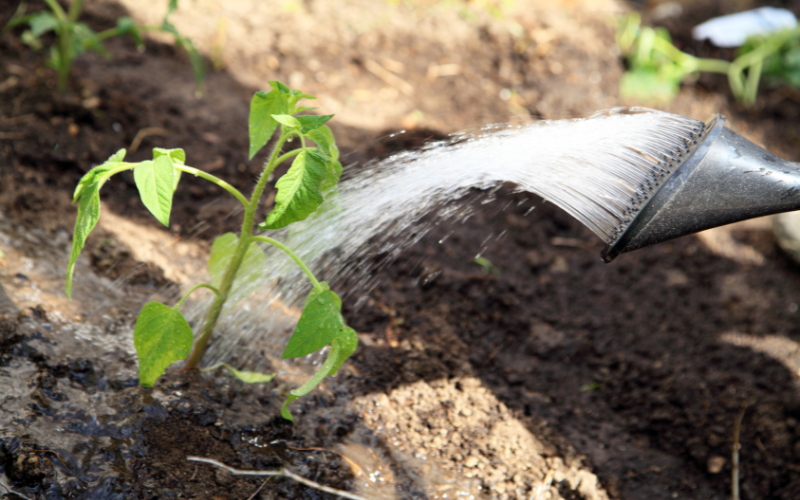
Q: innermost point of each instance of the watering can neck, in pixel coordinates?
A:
(725, 179)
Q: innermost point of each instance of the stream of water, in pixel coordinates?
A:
(599, 170)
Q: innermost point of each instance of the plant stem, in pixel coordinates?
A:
(57, 10)
(751, 86)
(75, 10)
(216, 180)
(288, 155)
(753, 58)
(109, 33)
(294, 257)
(186, 295)
(64, 54)
(711, 65)
(251, 207)
(689, 62)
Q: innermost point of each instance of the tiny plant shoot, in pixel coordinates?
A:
(73, 37)
(162, 335)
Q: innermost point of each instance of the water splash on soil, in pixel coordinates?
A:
(599, 170)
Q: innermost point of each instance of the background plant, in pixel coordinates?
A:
(656, 67)
(162, 335)
(73, 37)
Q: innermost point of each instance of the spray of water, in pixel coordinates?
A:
(600, 170)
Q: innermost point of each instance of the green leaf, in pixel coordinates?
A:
(301, 95)
(127, 26)
(299, 192)
(245, 376)
(280, 87)
(324, 371)
(112, 162)
(198, 63)
(341, 349)
(161, 337)
(349, 343)
(314, 293)
(83, 37)
(171, 6)
(55, 56)
(34, 43)
(249, 377)
(156, 183)
(42, 23)
(332, 150)
(287, 120)
(648, 86)
(319, 324)
(333, 169)
(178, 156)
(321, 139)
(319, 154)
(88, 215)
(261, 123)
(88, 192)
(312, 122)
(222, 251)
(337, 168)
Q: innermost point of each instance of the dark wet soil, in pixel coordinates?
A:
(634, 372)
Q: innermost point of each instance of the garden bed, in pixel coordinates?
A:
(558, 377)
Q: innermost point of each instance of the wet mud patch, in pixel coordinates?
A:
(70, 430)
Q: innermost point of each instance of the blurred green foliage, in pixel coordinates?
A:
(656, 67)
(74, 38)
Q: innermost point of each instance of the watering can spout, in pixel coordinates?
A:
(724, 179)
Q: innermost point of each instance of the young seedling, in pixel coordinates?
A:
(162, 335)
(73, 37)
(657, 67)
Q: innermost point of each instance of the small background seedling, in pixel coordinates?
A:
(656, 67)
(486, 266)
(73, 37)
(162, 335)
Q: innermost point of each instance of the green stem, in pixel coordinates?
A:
(112, 32)
(109, 33)
(75, 10)
(712, 65)
(294, 257)
(691, 63)
(186, 295)
(753, 58)
(114, 171)
(271, 164)
(216, 180)
(751, 86)
(57, 10)
(64, 54)
(251, 207)
(288, 155)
